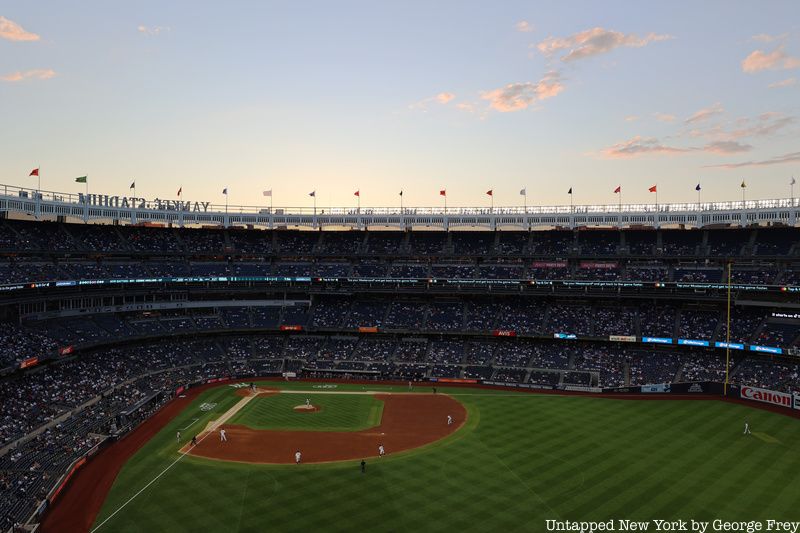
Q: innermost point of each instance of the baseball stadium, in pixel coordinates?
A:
(401, 267)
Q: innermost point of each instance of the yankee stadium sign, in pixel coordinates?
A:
(132, 202)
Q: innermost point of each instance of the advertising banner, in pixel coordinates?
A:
(29, 362)
(504, 333)
(783, 399)
(658, 388)
(622, 338)
(291, 328)
(657, 340)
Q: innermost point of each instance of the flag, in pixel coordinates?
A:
(268, 193)
(357, 193)
(653, 189)
(490, 192)
(743, 185)
(82, 179)
(618, 189)
(401, 193)
(793, 181)
(443, 192)
(569, 191)
(697, 188)
(34, 172)
(133, 185)
(180, 190)
(523, 192)
(313, 194)
(225, 191)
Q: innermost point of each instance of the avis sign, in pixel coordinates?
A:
(782, 399)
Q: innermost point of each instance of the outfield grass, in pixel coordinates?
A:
(519, 460)
(338, 412)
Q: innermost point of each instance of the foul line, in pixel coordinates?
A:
(182, 455)
(190, 424)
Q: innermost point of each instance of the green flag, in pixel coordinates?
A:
(82, 179)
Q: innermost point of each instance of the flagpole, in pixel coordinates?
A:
(401, 202)
(39, 179)
(358, 210)
(525, 199)
(791, 185)
(491, 196)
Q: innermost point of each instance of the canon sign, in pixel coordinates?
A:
(767, 396)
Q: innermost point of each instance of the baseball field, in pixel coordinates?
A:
(508, 462)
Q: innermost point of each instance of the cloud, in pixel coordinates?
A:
(767, 38)
(443, 98)
(665, 117)
(764, 125)
(631, 118)
(152, 31)
(466, 106)
(524, 26)
(788, 82)
(35, 74)
(640, 146)
(594, 42)
(793, 157)
(727, 147)
(775, 60)
(12, 31)
(518, 96)
(705, 114)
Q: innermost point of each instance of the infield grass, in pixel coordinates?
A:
(338, 412)
(519, 460)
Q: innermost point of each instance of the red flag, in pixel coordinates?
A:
(653, 189)
(34, 172)
(443, 192)
(618, 189)
(180, 190)
(489, 192)
(357, 193)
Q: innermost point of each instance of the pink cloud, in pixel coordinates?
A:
(443, 98)
(759, 60)
(727, 147)
(638, 146)
(594, 42)
(524, 26)
(788, 82)
(705, 114)
(519, 96)
(152, 31)
(12, 31)
(35, 74)
(665, 117)
(793, 157)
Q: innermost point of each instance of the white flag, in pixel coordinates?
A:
(523, 192)
(793, 181)
(268, 193)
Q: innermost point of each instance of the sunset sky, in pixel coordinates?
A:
(340, 96)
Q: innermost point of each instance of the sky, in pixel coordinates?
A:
(419, 96)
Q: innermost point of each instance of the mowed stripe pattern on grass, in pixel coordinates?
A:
(519, 460)
(350, 412)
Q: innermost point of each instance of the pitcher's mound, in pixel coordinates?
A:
(306, 408)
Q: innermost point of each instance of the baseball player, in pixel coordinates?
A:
(746, 428)
(381, 450)
(194, 440)
(178, 436)
(308, 402)
(363, 466)
(297, 457)
(222, 436)
(449, 420)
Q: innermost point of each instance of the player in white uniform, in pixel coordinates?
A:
(308, 402)
(381, 450)
(178, 437)
(297, 457)
(222, 437)
(746, 428)
(449, 420)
